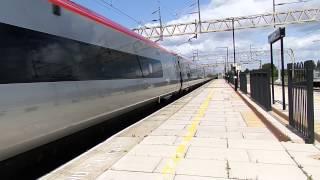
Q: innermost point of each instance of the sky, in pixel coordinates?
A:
(301, 39)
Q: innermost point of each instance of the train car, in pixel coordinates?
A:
(64, 68)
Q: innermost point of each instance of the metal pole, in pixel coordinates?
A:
(234, 57)
(197, 54)
(260, 64)
(310, 100)
(272, 80)
(290, 99)
(250, 52)
(160, 20)
(282, 77)
(274, 12)
(227, 58)
(234, 44)
(199, 13)
(293, 60)
(225, 66)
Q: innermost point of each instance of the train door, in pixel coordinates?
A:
(145, 82)
(179, 69)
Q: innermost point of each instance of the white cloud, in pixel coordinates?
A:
(300, 37)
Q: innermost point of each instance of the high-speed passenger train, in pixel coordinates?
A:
(64, 68)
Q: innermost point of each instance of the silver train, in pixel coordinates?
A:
(64, 68)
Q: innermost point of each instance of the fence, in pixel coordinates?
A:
(260, 88)
(230, 78)
(300, 93)
(243, 82)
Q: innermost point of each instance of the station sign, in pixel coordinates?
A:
(277, 34)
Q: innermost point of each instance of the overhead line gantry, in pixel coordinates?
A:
(221, 25)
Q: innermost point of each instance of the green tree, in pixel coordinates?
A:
(247, 71)
(267, 67)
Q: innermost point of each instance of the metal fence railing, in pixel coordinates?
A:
(230, 78)
(260, 88)
(300, 93)
(243, 82)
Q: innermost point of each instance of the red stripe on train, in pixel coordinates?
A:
(67, 4)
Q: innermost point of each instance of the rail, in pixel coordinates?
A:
(301, 102)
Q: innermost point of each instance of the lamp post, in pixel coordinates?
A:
(234, 58)
(227, 58)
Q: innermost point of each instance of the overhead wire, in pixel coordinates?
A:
(121, 12)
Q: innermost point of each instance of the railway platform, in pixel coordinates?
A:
(209, 134)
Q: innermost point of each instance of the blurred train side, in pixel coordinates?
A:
(55, 79)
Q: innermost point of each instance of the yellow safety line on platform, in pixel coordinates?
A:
(251, 119)
(171, 164)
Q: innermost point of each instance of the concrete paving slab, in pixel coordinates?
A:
(265, 171)
(306, 158)
(159, 140)
(153, 150)
(254, 130)
(300, 147)
(255, 144)
(271, 157)
(209, 134)
(221, 154)
(176, 122)
(313, 172)
(172, 127)
(213, 113)
(142, 130)
(184, 177)
(124, 175)
(198, 167)
(235, 135)
(258, 136)
(119, 144)
(202, 168)
(248, 129)
(137, 163)
(181, 117)
(210, 129)
(205, 142)
(213, 116)
(212, 122)
(231, 117)
(237, 124)
(168, 132)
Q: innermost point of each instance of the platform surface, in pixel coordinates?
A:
(209, 134)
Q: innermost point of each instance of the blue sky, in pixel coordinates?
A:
(141, 10)
(300, 38)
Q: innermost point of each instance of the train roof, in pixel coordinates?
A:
(69, 5)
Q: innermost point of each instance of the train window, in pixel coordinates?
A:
(121, 65)
(151, 68)
(102, 63)
(51, 68)
(30, 56)
(56, 10)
